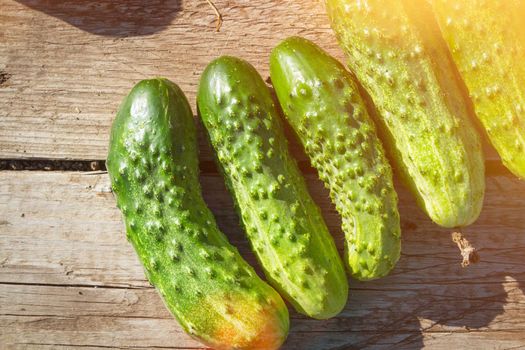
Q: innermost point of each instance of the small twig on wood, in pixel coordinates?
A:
(217, 13)
(468, 252)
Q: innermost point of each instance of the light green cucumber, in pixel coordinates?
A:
(284, 225)
(153, 166)
(322, 104)
(485, 39)
(423, 117)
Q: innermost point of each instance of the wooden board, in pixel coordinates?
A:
(69, 279)
(67, 64)
(66, 81)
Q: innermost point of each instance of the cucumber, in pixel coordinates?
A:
(424, 121)
(322, 104)
(282, 222)
(483, 37)
(153, 166)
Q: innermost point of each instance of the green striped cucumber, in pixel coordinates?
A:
(153, 166)
(423, 119)
(483, 37)
(282, 222)
(322, 104)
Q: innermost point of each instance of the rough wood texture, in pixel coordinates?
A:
(66, 65)
(68, 276)
(69, 279)
(71, 63)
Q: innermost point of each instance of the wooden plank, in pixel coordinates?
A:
(77, 213)
(115, 317)
(66, 81)
(68, 276)
(439, 307)
(69, 64)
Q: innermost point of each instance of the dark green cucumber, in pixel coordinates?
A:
(322, 104)
(423, 120)
(214, 294)
(484, 39)
(284, 225)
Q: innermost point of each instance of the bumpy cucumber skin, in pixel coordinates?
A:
(153, 166)
(483, 37)
(423, 118)
(322, 104)
(283, 224)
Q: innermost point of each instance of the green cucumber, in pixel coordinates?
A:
(483, 37)
(322, 104)
(423, 119)
(153, 166)
(284, 225)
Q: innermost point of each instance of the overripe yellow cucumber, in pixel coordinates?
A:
(485, 39)
(422, 114)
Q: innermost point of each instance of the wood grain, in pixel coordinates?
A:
(68, 64)
(68, 276)
(69, 279)
(66, 82)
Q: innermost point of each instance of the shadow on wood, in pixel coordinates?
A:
(118, 18)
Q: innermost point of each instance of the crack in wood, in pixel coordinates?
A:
(110, 347)
(107, 286)
(96, 167)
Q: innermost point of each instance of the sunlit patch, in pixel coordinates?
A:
(139, 109)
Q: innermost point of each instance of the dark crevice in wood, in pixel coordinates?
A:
(107, 347)
(52, 165)
(35, 164)
(382, 333)
(74, 285)
(113, 316)
(384, 288)
(38, 315)
(493, 167)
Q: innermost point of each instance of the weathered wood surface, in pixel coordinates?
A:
(68, 64)
(68, 277)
